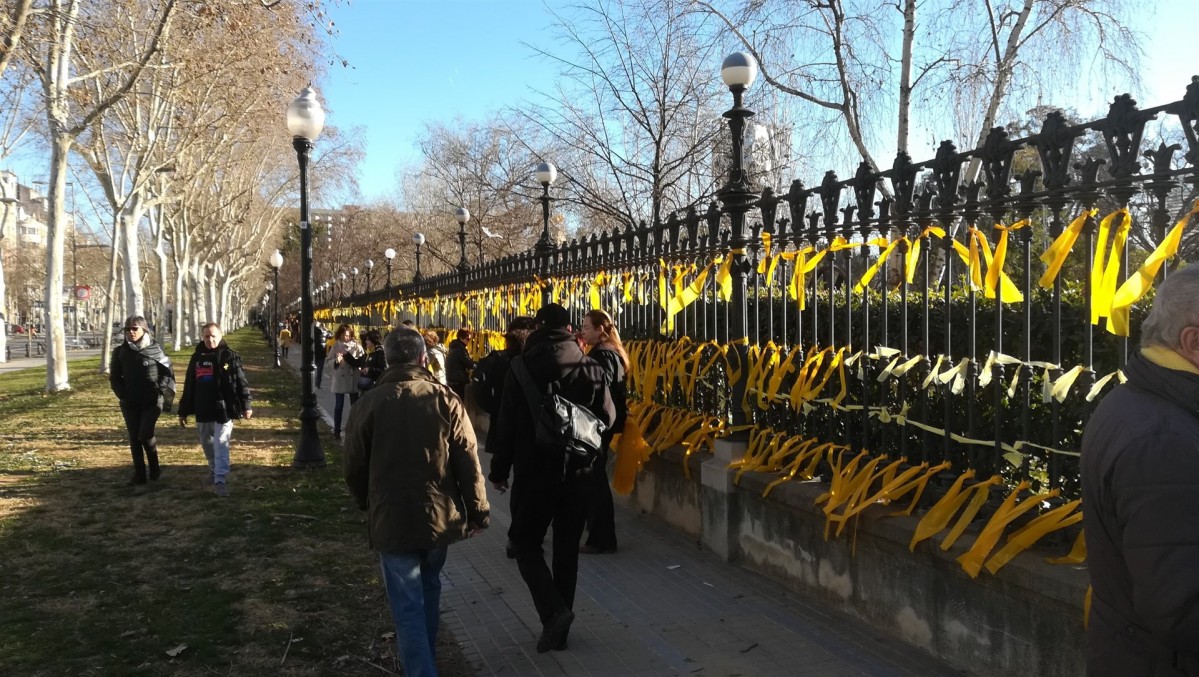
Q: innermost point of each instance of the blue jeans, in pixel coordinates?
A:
(339, 402)
(214, 438)
(413, 584)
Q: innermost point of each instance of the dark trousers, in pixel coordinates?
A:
(320, 367)
(601, 513)
(459, 390)
(339, 403)
(535, 508)
(143, 446)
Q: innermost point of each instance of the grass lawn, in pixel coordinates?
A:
(101, 578)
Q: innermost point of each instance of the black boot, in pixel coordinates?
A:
(139, 467)
(154, 470)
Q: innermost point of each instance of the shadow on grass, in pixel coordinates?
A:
(100, 577)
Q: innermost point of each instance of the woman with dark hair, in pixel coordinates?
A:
(599, 332)
(374, 363)
(141, 377)
(459, 364)
(345, 354)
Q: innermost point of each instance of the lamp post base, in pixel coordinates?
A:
(309, 452)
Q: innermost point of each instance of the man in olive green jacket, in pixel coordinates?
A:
(411, 461)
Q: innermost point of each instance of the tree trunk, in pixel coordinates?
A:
(134, 295)
(57, 378)
(905, 75)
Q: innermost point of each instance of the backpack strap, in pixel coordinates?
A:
(525, 379)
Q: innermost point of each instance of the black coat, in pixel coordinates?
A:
(1140, 481)
(234, 390)
(552, 357)
(140, 374)
(614, 374)
(458, 364)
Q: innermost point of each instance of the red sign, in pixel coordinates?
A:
(83, 292)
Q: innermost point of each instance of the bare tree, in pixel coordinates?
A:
(837, 56)
(634, 120)
(73, 100)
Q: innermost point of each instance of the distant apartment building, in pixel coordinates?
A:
(23, 213)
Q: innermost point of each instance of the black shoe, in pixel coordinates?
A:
(337, 436)
(554, 634)
(155, 472)
(510, 550)
(137, 479)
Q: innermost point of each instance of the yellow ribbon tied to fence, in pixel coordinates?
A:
(878, 263)
(632, 452)
(1055, 256)
(1105, 269)
(1141, 282)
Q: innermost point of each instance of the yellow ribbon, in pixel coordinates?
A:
(1142, 281)
(1105, 268)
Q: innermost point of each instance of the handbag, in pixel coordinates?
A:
(365, 383)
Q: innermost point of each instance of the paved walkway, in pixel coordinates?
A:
(661, 606)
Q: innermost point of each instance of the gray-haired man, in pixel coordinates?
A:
(411, 462)
(1140, 480)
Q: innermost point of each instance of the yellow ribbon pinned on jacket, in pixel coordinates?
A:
(1142, 281)
(1055, 256)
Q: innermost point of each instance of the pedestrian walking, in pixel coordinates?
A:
(599, 333)
(216, 392)
(411, 463)
(1140, 490)
(459, 364)
(284, 339)
(141, 377)
(345, 374)
(437, 355)
(544, 494)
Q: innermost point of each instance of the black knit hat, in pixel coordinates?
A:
(553, 316)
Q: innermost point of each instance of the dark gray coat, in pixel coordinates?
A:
(1140, 480)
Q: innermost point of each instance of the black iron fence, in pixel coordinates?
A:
(906, 312)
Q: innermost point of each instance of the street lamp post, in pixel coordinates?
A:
(418, 240)
(276, 262)
(370, 265)
(353, 281)
(546, 174)
(462, 214)
(738, 72)
(341, 286)
(389, 254)
(305, 120)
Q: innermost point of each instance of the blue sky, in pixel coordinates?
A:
(416, 60)
(412, 61)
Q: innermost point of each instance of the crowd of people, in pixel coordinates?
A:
(411, 457)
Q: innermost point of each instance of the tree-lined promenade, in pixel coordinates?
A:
(99, 577)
